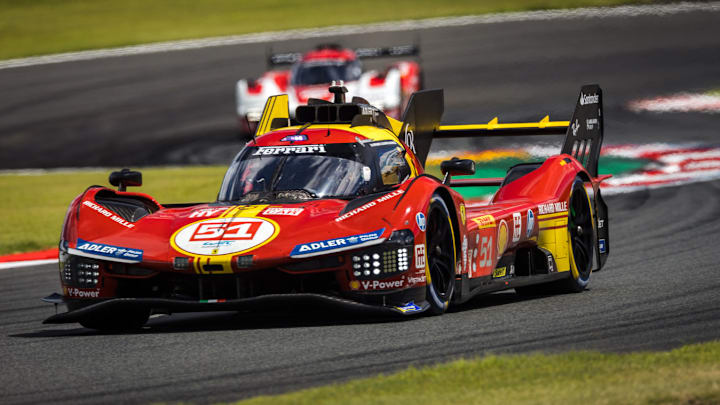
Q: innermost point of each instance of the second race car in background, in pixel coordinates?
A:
(312, 72)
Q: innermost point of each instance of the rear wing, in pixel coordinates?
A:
(288, 58)
(583, 133)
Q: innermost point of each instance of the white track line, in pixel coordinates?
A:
(404, 25)
(25, 263)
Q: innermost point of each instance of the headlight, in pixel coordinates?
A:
(384, 260)
(81, 272)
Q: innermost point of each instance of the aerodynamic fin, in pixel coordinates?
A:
(584, 135)
(421, 120)
(275, 115)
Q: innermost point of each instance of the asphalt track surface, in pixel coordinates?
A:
(659, 289)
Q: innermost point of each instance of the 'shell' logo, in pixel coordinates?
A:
(223, 236)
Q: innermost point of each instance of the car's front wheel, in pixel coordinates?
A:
(440, 246)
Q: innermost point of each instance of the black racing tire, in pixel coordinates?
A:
(441, 256)
(581, 234)
(127, 319)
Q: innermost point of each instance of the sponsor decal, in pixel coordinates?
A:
(289, 150)
(409, 138)
(601, 245)
(417, 280)
(575, 126)
(551, 266)
(590, 123)
(295, 138)
(336, 244)
(530, 224)
(116, 252)
(354, 285)
(420, 256)
(371, 204)
(499, 272)
(224, 236)
(206, 212)
(420, 219)
(462, 213)
(552, 208)
(512, 270)
(381, 285)
(283, 211)
(601, 223)
(78, 293)
(502, 237)
(586, 99)
(108, 214)
(486, 254)
(517, 226)
(409, 307)
(485, 221)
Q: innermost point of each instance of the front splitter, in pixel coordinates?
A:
(254, 303)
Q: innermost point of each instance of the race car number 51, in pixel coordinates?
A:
(222, 236)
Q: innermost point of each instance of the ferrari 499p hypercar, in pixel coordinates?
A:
(311, 73)
(337, 209)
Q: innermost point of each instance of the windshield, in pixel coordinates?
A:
(304, 172)
(323, 72)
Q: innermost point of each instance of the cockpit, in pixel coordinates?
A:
(325, 71)
(290, 173)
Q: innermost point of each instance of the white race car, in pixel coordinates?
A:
(312, 72)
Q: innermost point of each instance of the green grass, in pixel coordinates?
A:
(33, 206)
(35, 27)
(688, 375)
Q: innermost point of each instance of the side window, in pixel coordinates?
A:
(393, 167)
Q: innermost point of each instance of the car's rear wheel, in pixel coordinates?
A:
(582, 238)
(117, 320)
(440, 245)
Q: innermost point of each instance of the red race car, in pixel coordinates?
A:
(338, 210)
(311, 73)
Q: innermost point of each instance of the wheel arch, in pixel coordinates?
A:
(447, 198)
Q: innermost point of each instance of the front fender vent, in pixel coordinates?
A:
(130, 208)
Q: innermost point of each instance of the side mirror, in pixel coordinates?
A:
(457, 167)
(125, 178)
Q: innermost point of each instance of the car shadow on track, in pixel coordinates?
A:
(295, 317)
(229, 320)
(500, 298)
